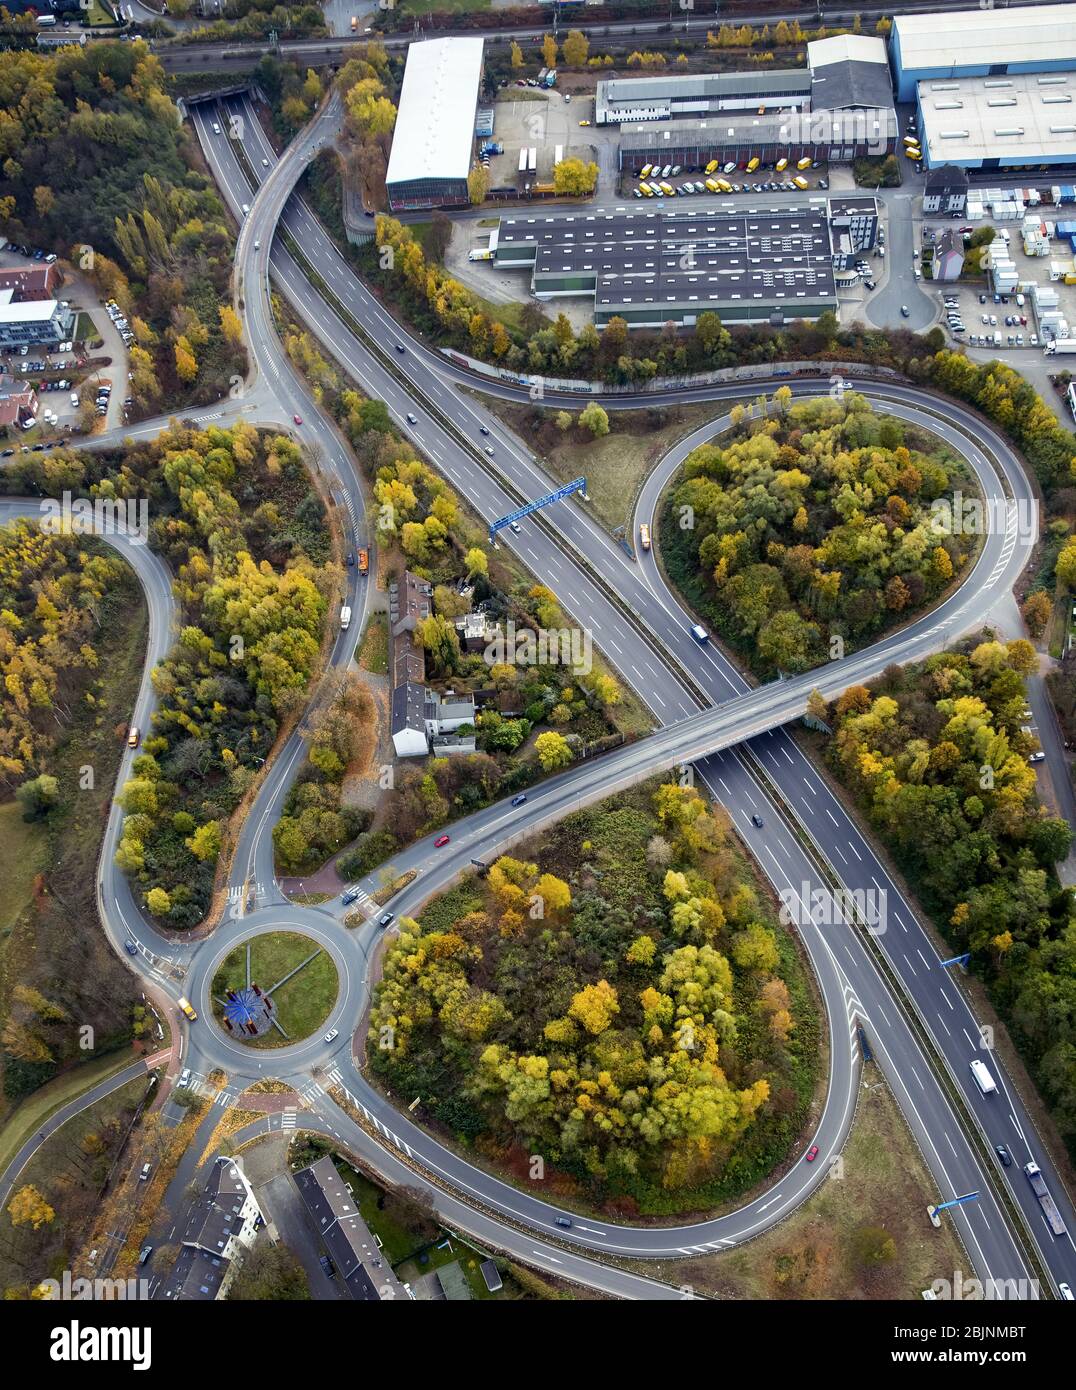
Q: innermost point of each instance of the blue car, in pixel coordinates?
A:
(519, 800)
(129, 946)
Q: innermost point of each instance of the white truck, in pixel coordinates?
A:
(1060, 347)
(345, 618)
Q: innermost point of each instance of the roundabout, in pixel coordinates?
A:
(274, 990)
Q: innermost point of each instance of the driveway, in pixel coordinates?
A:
(266, 1166)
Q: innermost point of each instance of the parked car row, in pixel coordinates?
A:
(118, 317)
(33, 255)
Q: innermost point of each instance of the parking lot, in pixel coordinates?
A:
(529, 118)
(977, 318)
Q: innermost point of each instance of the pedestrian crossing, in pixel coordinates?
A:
(287, 1119)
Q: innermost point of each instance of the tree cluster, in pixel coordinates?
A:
(91, 145)
(812, 522)
(937, 756)
(623, 1012)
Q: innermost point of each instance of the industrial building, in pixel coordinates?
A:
(623, 99)
(838, 108)
(652, 266)
(1023, 120)
(988, 42)
(843, 72)
(43, 322)
(827, 136)
(433, 143)
(849, 71)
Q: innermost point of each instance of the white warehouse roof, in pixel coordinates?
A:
(846, 48)
(1020, 119)
(434, 134)
(971, 38)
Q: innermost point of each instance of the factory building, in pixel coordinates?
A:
(836, 109)
(1023, 120)
(433, 143)
(654, 266)
(823, 136)
(627, 99)
(989, 42)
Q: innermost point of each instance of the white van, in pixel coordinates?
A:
(983, 1079)
(345, 618)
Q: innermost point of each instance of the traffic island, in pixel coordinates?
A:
(274, 990)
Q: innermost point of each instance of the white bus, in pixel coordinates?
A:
(983, 1079)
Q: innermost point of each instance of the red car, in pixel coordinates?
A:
(440, 842)
(812, 1153)
(298, 419)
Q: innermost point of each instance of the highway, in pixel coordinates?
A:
(1002, 558)
(702, 705)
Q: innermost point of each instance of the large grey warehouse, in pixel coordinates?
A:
(433, 143)
(653, 266)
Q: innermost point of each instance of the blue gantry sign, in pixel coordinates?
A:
(576, 485)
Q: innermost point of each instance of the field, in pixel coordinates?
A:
(615, 465)
(829, 1247)
(23, 852)
(68, 1171)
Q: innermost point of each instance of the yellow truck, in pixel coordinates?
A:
(800, 181)
(712, 165)
(804, 163)
(753, 165)
(644, 172)
(713, 185)
(724, 185)
(781, 165)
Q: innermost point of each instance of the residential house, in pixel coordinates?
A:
(351, 1246)
(948, 259)
(18, 404)
(419, 718)
(221, 1227)
(946, 190)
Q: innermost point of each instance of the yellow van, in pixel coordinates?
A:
(781, 165)
(646, 190)
(911, 140)
(712, 165)
(713, 185)
(800, 181)
(185, 1005)
(755, 162)
(914, 152)
(644, 172)
(667, 189)
(804, 163)
(724, 185)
